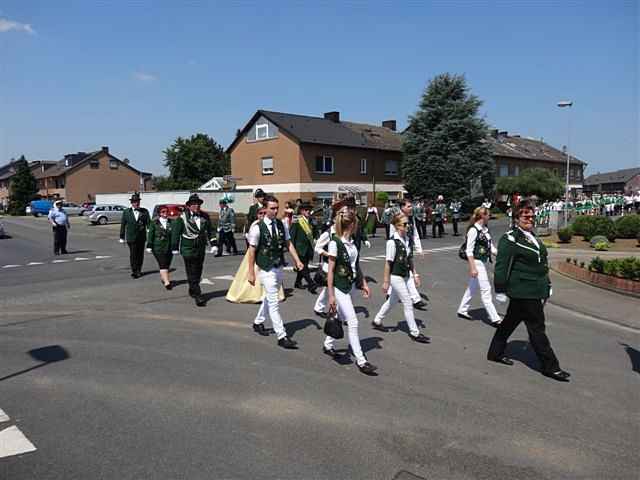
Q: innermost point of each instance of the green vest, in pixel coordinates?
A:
(270, 252)
(402, 262)
(482, 248)
(343, 275)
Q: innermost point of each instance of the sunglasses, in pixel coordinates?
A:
(405, 224)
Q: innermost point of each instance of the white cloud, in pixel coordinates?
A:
(144, 77)
(7, 25)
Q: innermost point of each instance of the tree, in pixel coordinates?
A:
(193, 161)
(541, 182)
(445, 147)
(24, 187)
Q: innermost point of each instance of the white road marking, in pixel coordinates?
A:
(11, 266)
(364, 260)
(381, 256)
(99, 257)
(35, 263)
(369, 258)
(79, 259)
(206, 281)
(60, 261)
(13, 442)
(3, 416)
(441, 249)
(224, 277)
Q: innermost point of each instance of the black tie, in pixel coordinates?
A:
(273, 229)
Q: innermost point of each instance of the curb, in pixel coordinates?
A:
(603, 287)
(593, 316)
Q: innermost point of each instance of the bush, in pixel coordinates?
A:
(568, 259)
(628, 226)
(580, 224)
(575, 261)
(629, 268)
(611, 267)
(602, 246)
(564, 235)
(596, 265)
(600, 226)
(581, 264)
(597, 239)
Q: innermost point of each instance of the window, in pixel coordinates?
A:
(267, 166)
(262, 131)
(391, 167)
(94, 164)
(363, 166)
(118, 208)
(504, 170)
(324, 164)
(113, 164)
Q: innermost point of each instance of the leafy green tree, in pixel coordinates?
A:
(541, 182)
(445, 146)
(24, 188)
(192, 161)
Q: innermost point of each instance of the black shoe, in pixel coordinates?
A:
(64, 252)
(168, 286)
(134, 274)
(420, 305)
(286, 342)
(56, 253)
(378, 326)
(330, 351)
(298, 286)
(367, 368)
(260, 330)
(313, 289)
(560, 375)
(503, 360)
(320, 314)
(420, 338)
(200, 301)
(466, 316)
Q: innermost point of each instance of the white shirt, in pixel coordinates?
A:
(351, 250)
(472, 236)
(416, 236)
(254, 232)
(163, 222)
(390, 254)
(198, 219)
(531, 237)
(136, 213)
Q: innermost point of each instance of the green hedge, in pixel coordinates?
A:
(590, 226)
(628, 268)
(628, 226)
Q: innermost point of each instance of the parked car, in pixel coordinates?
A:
(174, 210)
(72, 208)
(40, 207)
(87, 207)
(103, 214)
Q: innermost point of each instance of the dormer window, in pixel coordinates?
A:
(113, 164)
(262, 131)
(94, 164)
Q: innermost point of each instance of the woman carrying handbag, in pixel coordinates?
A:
(341, 279)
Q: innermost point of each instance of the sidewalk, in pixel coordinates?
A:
(594, 301)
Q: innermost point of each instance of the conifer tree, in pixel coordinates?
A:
(23, 188)
(445, 145)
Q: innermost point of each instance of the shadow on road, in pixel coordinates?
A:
(46, 355)
(522, 352)
(295, 326)
(480, 315)
(211, 295)
(634, 356)
(371, 343)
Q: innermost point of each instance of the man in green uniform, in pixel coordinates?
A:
(190, 236)
(252, 216)
(303, 236)
(133, 230)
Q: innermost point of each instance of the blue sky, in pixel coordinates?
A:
(76, 75)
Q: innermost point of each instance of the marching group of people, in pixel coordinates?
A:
(521, 271)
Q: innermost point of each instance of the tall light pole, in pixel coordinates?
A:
(563, 104)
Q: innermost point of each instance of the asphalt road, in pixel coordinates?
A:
(156, 388)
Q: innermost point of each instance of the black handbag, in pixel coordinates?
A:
(320, 278)
(333, 325)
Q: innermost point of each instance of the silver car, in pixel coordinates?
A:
(72, 208)
(103, 214)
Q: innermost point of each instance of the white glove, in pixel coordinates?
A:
(367, 243)
(501, 297)
(214, 250)
(121, 240)
(175, 252)
(550, 291)
(148, 250)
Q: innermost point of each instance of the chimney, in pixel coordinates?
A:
(105, 149)
(494, 133)
(333, 116)
(390, 124)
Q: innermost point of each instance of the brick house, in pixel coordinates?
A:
(513, 153)
(621, 181)
(313, 158)
(79, 176)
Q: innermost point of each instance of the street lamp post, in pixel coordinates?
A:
(563, 104)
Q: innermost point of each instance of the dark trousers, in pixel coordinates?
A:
(386, 230)
(455, 225)
(60, 239)
(136, 254)
(437, 224)
(421, 226)
(228, 240)
(193, 266)
(531, 312)
(304, 274)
